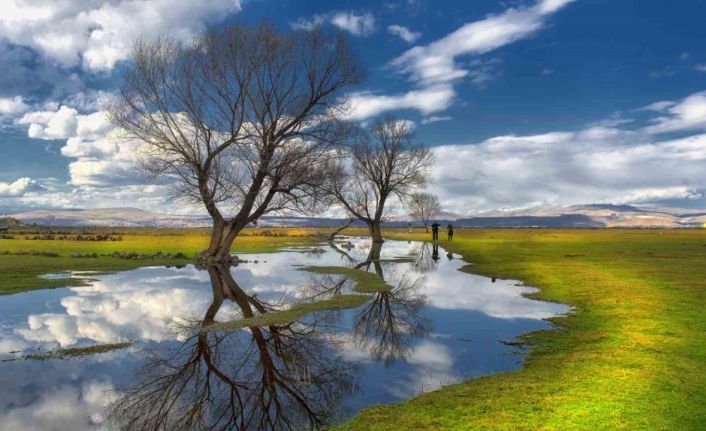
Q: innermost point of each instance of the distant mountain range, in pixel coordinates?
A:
(588, 216)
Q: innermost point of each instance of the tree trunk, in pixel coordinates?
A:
(229, 235)
(375, 231)
(216, 233)
(222, 237)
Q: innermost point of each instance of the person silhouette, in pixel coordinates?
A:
(435, 231)
(451, 231)
(435, 252)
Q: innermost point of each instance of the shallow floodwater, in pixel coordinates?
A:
(436, 326)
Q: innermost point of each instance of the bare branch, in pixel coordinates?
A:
(241, 120)
(386, 162)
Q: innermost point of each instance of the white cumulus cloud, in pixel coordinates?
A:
(10, 106)
(356, 23)
(596, 164)
(65, 122)
(98, 33)
(19, 187)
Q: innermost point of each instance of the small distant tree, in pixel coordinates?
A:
(385, 162)
(422, 207)
(240, 120)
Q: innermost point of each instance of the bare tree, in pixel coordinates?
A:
(386, 162)
(423, 206)
(241, 120)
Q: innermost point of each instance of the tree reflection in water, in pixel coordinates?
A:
(387, 325)
(423, 260)
(285, 376)
(266, 378)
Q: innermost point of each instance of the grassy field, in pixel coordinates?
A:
(632, 356)
(21, 272)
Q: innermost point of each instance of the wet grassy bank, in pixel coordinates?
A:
(632, 356)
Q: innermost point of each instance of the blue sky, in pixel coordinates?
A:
(526, 103)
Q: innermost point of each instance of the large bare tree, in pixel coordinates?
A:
(423, 206)
(385, 162)
(241, 120)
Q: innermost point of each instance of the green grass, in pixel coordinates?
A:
(21, 273)
(631, 357)
(366, 282)
(295, 313)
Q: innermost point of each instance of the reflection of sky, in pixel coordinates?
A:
(60, 395)
(468, 314)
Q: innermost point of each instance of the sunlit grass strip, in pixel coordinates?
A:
(365, 282)
(290, 315)
(75, 352)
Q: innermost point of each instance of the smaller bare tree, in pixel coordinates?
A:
(386, 162)
(422, 207)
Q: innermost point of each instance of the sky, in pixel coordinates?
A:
(525, 103)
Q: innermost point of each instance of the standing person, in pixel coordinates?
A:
(435, 231)
(451, 231)
(409, 226)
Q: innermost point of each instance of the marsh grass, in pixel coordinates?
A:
(75, 352)
(365, 283)
(293, 314)
(632, 355)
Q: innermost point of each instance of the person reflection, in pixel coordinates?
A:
(435, 252)
(387, 325)
(263, 378)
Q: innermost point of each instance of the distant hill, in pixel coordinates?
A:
(9, 222)
(585, 216)
(117, 217)
(134, 217)
(592, 215)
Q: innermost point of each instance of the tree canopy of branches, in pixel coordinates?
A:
(423, 206)
(386, 162)
(241, 120)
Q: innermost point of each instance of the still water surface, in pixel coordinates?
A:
(437, 326)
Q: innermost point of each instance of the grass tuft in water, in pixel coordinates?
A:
(75, 352)
(366, 282)
(295, 313)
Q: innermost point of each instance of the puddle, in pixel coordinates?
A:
(435, 326)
